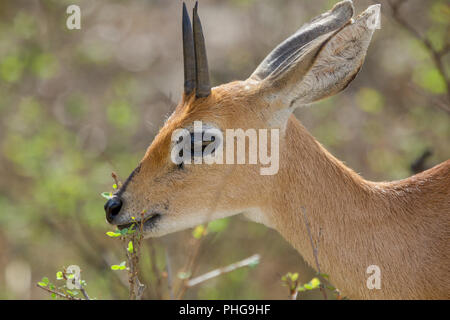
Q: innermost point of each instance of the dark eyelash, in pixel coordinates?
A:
(204, 145)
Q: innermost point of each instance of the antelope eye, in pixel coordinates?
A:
(196, 142)
(195, 145)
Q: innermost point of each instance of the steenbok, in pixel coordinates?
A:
(403, 227)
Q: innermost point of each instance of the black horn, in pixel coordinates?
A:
(203, 87)
(188, 53)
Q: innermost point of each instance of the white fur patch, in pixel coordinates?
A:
(257, 215)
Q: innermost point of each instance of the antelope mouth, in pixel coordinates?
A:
(148, 222)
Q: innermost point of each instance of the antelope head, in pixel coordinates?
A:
(317, 61)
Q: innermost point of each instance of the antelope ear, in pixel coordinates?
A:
(320, 59)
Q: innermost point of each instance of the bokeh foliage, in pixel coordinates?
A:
(78, 104)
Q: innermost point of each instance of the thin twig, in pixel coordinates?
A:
(136, 287)
(57, 293)
(116, 179)
(83, 291)
(315, 249)
(217, 272)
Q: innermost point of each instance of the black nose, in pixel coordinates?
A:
(112, 208)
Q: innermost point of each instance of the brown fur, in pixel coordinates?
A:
(402, 226)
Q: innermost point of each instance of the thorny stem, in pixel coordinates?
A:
(58, 293)
(136, 287)
(83, 291)
(62, 294)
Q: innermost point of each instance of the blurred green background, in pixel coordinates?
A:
(78, 104)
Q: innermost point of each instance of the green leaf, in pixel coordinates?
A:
(130, 247)
(59, 275)
(113, 234)
(107, 195)
(114, 186)
(313, 284)
(294, 277)
(198, 232)
(115, 267)
(324, 275)
(42, 284)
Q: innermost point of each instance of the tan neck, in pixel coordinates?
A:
(361, 223)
